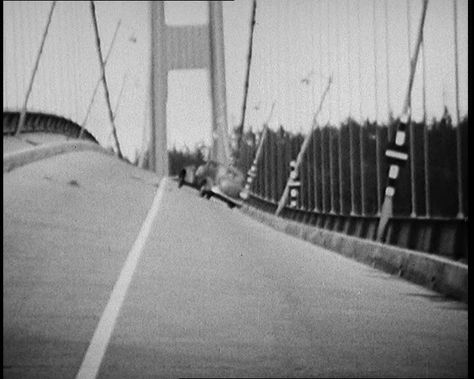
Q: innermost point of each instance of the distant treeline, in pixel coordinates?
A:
(330, 150)
(179, 158)
(333, 148)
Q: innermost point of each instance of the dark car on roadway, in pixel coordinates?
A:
(214, 179)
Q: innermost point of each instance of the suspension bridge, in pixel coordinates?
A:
(352, 134)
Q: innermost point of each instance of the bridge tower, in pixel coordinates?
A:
(186, 47)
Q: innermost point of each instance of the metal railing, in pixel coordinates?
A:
(438, 229)
(401, 180)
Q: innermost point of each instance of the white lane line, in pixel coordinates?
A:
(96, 350)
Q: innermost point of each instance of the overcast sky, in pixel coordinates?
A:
(294, 39)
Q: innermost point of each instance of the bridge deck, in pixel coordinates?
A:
(214, 292)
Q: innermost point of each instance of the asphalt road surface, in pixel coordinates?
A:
(213, 292)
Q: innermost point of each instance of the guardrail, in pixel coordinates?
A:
(436, 235)
(43, 122)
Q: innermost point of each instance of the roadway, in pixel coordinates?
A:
(213, 293)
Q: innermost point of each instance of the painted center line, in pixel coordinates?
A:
(100, 340)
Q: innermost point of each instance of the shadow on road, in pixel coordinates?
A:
(438, 298)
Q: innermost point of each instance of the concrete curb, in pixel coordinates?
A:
(434, 272)
(23, 157)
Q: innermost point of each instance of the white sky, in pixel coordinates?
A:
(300, 44)
(286, 49)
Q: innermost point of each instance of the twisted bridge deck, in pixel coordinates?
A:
(214, 293)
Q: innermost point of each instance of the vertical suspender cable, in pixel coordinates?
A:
(387, 63)
(5, 85)
(273, 168)
(339, 118)
(329, 66)
(277, 81)
(287, 64)
(54, 65)
(425, 135)
(119, 98)
(22, 68)
(104, 80)
(260, 58)
(458, 121)
(247, 77)
(412, 129)
(315, 171)
(312, 158)
(318, 173)
(51, 61)
(48, 91)
(351, 131)
(26, 33)
(362, 123)
(274, 141)
(21, 121)
(313, 58)
(312, 162)
(258, 153)
(96, 88)
(293, 51)
(59, 62)
(377, 131)
(76, 61)
(42, 97)
(329, 127)
(387, 205)
(321, 140)
(408, 34)
(271, 94)
(15, 52)
(69, 57)
(292, 88)
(303, 148)
(264, 168)
(72, 64)
(60, 58)
(406, 106)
